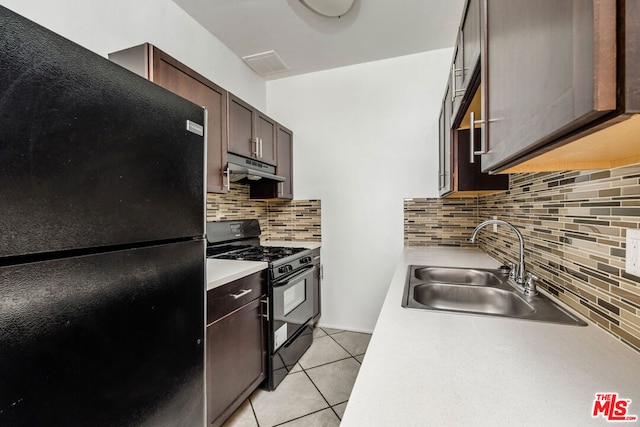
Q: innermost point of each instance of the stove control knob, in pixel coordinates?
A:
(285, 269)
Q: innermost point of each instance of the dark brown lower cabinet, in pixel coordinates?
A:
(236, 345)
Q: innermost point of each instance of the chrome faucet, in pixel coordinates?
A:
(528, 285)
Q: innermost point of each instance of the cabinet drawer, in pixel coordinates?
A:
(227, 298)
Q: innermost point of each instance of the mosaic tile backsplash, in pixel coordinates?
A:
(439, 222)
(574, 225)
(279, 220)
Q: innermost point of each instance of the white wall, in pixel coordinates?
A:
(105, 26)
(365, 138)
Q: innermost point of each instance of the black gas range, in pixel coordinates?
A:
(282, 260)
(290, 290)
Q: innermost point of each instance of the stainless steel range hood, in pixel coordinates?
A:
(243, 169)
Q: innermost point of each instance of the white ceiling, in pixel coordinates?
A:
(306, 42)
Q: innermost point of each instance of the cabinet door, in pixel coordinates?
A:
(545, 74)
(236, 359)
(285, 162)
(457, 77)
(171, 74)
(266, 134)
(467, 54)
(241, 128)
(151, 63)
(441, 150)
(470, 41)
(444, 174)
(468, 175)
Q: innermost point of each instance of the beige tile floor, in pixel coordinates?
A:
(316, 391)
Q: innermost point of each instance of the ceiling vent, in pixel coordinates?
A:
(265, 63)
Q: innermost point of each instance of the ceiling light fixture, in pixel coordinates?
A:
(329, 8)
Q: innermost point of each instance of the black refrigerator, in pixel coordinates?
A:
(102, 247)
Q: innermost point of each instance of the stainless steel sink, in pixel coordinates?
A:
(478, 291)
(471, 299)
(467, 276)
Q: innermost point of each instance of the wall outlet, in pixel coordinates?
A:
(633, 252)
(495, 226)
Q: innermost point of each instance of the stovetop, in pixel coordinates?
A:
(240, 240)
(254, 253)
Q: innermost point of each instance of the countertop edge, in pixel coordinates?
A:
(220, 271)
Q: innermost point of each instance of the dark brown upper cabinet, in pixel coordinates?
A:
(153, 64)
(285, 161)
(284, 150)
(562, 80)
(251, 133)
(461, 117)
(445, 179)
(460, 167)
(466, 60)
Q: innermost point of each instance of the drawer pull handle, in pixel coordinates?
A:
(242, 293)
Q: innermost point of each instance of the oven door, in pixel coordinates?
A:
(292, 301)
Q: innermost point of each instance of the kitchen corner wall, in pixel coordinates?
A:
(574, 225)
(365, 138)
(279, 220)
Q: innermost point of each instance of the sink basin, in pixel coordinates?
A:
(467, 276)
(471, 299)
(478, 291)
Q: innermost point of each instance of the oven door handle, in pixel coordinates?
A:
(288, 279)
(296, 335)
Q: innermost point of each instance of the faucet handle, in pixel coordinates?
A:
(512, 269)
(530, 284)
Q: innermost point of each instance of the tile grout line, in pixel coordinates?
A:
(327, 363)
(341, 346)
(314, 412)
(314, 384)
(255, 416)
(325, 399)
(351, 356)
(329, 406)
(302, 416)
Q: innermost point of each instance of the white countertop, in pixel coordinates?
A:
(433, 368)
(223, 271)
(292, 244)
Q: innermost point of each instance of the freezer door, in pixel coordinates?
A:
(115, 339)
(91, 154)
